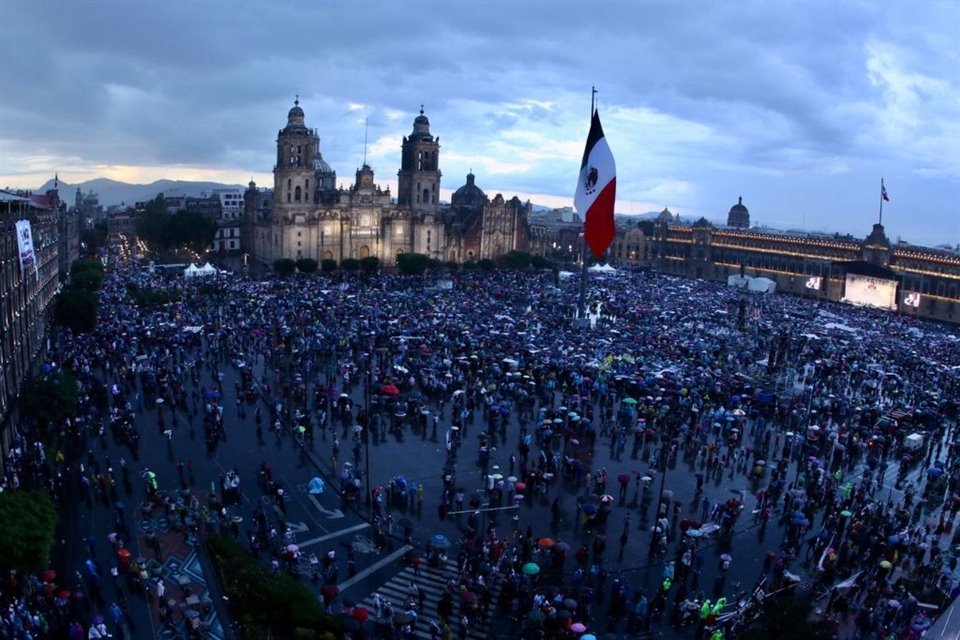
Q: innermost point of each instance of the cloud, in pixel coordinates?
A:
(768, 99)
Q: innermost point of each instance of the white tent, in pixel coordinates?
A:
(190, 271)
(761, 285)
(207, 270)
(604, 268)
(737, 281)
(563, 275)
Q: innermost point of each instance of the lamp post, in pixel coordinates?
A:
(366, 427)
(656, 512)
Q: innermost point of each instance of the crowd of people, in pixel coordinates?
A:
(806, 408)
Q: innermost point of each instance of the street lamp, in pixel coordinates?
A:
(366, 427)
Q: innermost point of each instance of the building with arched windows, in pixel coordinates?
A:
(306, 215)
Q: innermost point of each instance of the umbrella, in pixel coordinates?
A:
(511, 478)
(590, 509)
(439, 541)
(606, 498)
(390, 390)
(845, 513)
(470, 597)
(520, 486)
(578, 627)
(885, 564)
(316, 486)
(536, 616)
(570, 603)
(360, 614)
(546, 543)
(588, 636)
(497, 476)
(694, 533)
(726, 557)
(330, 591)
(934, 472)
(629, 401)
(562, 546)
(292, 548)
(48, 576)
(531, 569)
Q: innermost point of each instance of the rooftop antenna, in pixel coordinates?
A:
(366, 124)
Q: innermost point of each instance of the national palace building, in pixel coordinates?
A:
(897, 276)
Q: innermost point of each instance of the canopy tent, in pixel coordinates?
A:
(761, 285)
(604, 268)
(563, 275)
(194, 271)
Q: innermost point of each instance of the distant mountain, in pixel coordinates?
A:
(113, 192)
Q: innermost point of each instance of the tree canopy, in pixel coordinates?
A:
(50, 400)
(284, 266)
(411, 263)
(183, 229)
(29, 530)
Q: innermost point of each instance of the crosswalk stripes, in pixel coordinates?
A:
(433, 581)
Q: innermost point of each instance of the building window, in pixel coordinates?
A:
(297, 194)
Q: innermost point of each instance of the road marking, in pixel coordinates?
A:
(331, 515)
(374, 568)
(335, 534)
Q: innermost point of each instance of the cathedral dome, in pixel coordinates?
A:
(421, 126)
(469, 195)
(295, 115)
(321, 166)
(665, 215)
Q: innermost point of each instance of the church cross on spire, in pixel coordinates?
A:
(296, 100)
(421, 109)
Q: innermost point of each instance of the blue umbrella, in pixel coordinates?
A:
(439, 541)
(893, 539)
(934, 472)
(316, 486)
(798, 517)
(590, 509)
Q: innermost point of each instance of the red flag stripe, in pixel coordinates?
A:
(600, 228)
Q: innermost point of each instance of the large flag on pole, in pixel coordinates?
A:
(883, 191)
(597, 190)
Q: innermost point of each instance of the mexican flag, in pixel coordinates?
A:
(597, 190)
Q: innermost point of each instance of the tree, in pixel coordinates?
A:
(470, 265)
(29, 530)
(515, 260)
(191, 229)
(412, 263)
(50, 400)
(486, 264)
(153, 224)
(328, 265)
(539, 262)
(284, 266)
(76, 309)
(349, 264)
(80, 266)
(87, 280)
(307, 265)
(786, 619)
(452, 266)
(91, 240)
(370, 264)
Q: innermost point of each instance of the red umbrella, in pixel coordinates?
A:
(330, 591)
(390, 390)
(48, 576)
(520, 486)
(360, 614)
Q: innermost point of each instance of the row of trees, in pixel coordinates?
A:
(164, 231)
(76, 306)
(411, 263)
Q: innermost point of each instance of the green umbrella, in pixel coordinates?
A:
(629, 401)
(531, 569)
(846, 514)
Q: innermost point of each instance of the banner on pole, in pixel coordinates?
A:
(28, 258)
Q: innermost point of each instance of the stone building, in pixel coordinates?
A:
(307, 216)
(920, 280)
(26, 295)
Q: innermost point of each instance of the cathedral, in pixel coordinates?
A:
(308, 216)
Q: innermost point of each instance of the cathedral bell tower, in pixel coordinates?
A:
(293, 175)
(418, 181)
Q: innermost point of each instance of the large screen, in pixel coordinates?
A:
(874, 292)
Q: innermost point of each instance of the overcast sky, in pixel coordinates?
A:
(798, 107)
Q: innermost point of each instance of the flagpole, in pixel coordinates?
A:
(582, 300)
(881, 201)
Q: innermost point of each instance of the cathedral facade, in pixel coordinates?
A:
(307, 216)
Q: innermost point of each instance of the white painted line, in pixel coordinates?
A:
(374, 567)
(335, 534)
